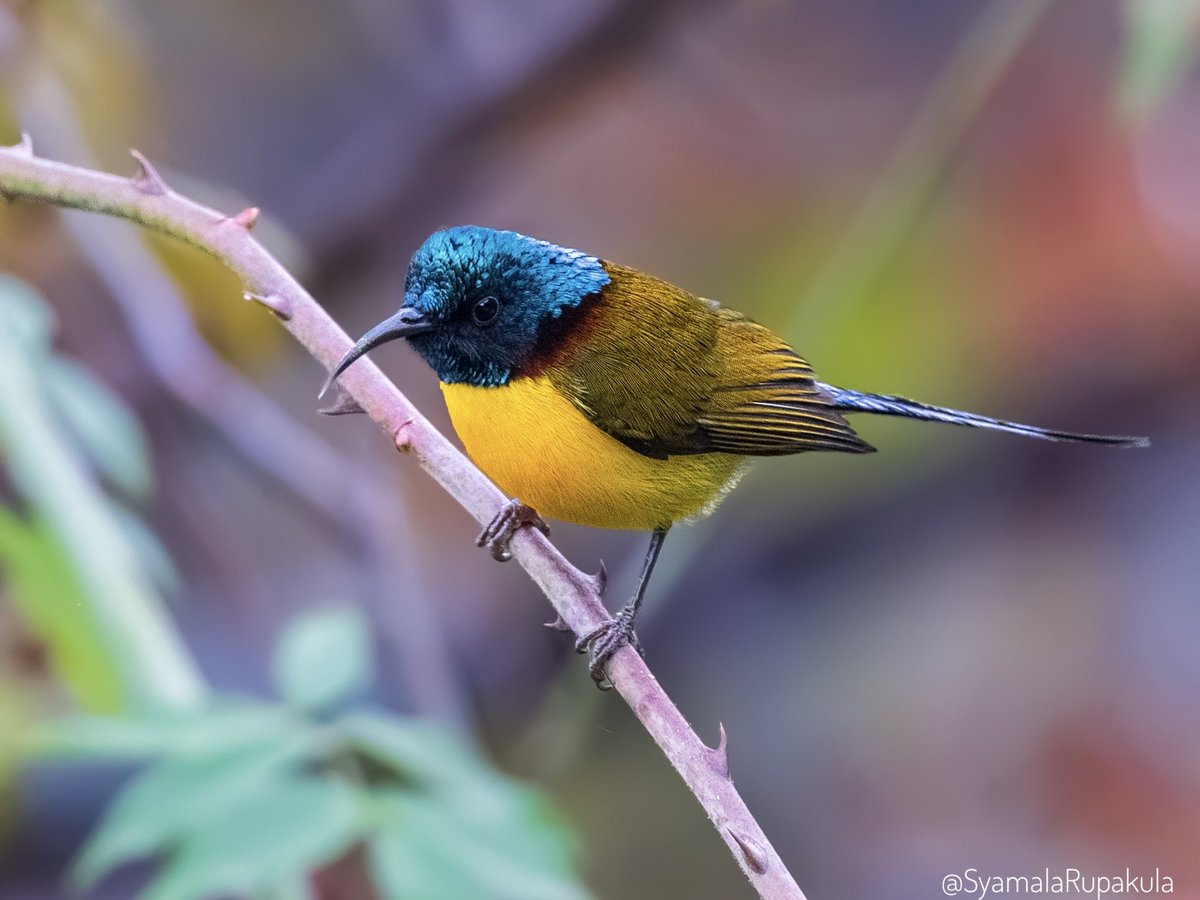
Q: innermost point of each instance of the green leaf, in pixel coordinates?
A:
(287, 826)
(1160, 47)
(15, 711)
(148, 548)
(101, 424)
(142, 643)
(173, 799)
(409, 752)
(416, 750)
(26, 320)
(214, 730)
(293, 887)
(323, 657)
(433, 760)
(45, 591)
(494, 810)
(423, 851)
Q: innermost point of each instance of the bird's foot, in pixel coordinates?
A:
(499, 532)
(606, 639)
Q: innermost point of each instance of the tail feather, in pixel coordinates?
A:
(887, 405)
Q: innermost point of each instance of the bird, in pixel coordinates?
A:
(597, 394)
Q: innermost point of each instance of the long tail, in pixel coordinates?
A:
(886, 405)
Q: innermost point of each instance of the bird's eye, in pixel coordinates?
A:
(485, 311)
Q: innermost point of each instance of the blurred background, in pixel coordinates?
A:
(967, 650)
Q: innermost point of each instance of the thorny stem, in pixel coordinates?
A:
(146, 200)
(246, 418)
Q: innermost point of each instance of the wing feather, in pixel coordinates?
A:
(668, 373)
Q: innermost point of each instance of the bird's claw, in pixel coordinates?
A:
(603, 641)
(499, 532)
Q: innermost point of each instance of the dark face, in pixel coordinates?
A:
(476, 299)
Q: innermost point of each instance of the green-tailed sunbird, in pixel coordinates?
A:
(597, 394)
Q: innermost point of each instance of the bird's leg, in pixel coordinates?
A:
(605, 639)
(499, 532)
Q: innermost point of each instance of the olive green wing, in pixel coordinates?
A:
(765, 401)
(667, 373)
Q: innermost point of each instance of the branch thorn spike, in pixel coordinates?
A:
(600, 580)
(344, 405)
(718, 756)
(25, 145)
(557, 625)
(273, 302)
(755, 858)
(247, 218)
(147, 180)
(400, 437)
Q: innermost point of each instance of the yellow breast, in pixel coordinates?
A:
(538, 447)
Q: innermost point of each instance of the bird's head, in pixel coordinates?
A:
(476, 300)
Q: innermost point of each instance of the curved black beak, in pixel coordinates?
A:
(405, 323)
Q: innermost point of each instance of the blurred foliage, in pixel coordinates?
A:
(238, 797)
(323, 657)
(7, 119)
(46, 594)
(101, 425)
(80, 39)
(15, 714)
(244, 798)
(236, 330)
(92, 120)
(67, 409)
(1162, 39)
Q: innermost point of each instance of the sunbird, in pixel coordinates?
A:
(597, 394)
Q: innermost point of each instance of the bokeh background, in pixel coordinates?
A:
(967, 650)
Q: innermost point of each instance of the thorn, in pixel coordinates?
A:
(400, 439)
(25, 145)
(345, 405)
(755, 858)
(557, 625)
(273, 302)
(247, 218)
(718, 756)
(600, 580)
(147, 180)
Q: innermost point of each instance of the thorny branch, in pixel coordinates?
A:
(244, 416)
(147, 200)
